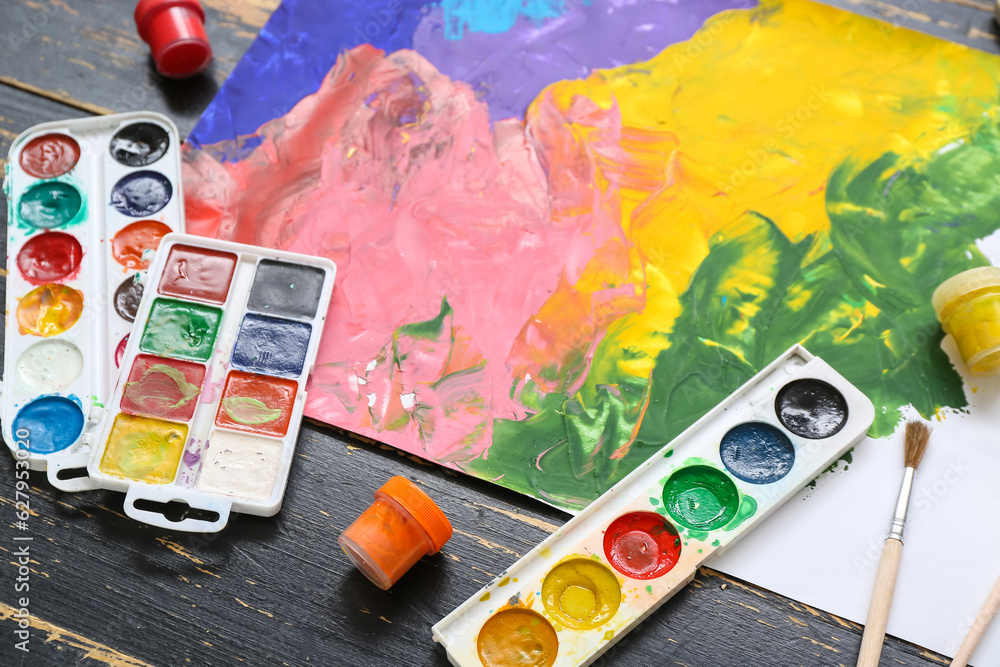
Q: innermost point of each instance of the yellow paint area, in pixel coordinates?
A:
(753, 114)
(581, 594)
(145, 449)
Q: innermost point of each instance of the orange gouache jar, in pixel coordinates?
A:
(402, 526)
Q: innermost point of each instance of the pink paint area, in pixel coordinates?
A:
(463, 267)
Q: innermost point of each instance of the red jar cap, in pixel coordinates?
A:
(421, 507)
(175, 32)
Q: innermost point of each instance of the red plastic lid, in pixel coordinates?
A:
(421, 507)
(175, 32)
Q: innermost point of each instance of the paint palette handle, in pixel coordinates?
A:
(68, 472)
(155, 505)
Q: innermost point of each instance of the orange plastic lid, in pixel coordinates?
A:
(419, 504)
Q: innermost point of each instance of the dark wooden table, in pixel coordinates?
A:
(106, 590)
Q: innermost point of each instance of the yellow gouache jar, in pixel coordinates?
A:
(968, 307)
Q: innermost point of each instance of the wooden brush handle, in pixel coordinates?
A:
(878, 609)
(978, 628)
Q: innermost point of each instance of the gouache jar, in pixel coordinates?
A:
(968, 307)
(175, 32)
(401, 526)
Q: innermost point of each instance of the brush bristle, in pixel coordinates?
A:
(917, 435)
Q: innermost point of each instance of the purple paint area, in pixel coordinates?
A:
(509, 69)
(301, 41)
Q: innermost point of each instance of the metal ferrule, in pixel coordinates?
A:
(898, 522)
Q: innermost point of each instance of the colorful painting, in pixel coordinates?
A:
(548, 271)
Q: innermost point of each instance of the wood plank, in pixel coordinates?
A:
(89, 55)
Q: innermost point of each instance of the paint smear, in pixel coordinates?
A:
(50, 155)
(132, 245)
(701, 498)
(581, 593)
(642, 545)
(139, 144)
(639, 247)
(257, 404)
(49, 310)
(240, 465)
(164, 388)
(517, 637)
(127, 298)
(282, 288)
(120, 350)
(272, 346)
(757, 453)
(144, 449)
(198, 273)
(50, 257)
(51, 424)
(180, 329)
(811, 408)
(141, 193)
(49, 366)
(50, 204)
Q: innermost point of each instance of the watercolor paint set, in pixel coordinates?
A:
(578, 592)
(88, 202)
(209, 401)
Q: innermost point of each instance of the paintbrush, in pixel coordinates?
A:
(978, 628)
(917, 435)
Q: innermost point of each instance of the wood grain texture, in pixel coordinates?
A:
(105, 590)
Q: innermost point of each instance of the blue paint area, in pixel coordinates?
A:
(493, 16)
(757, 453)
(48, 424)
(272, 346)
(292, 55)
(141, 193)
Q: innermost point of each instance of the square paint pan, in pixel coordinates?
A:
(207, 408)
(578, 592)
(88, 202)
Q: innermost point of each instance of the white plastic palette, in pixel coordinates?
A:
(207, 409)
(88, 202)
(578, 592)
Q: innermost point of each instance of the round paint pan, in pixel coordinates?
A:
(48, 424)
(139, 144)
(701, 497)
(517, 636)
(49, 204)
(49, 257)
(581, 593)
(757, 453)
(50, 365)
(811, 408)
(642, 545)
(50, 155)
(141, 194)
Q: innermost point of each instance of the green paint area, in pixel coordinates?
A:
(180, 329)
(249, 410)
(51, 204)
(701, 498)
(858, 295)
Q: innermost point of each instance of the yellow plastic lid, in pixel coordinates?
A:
(962, 284)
